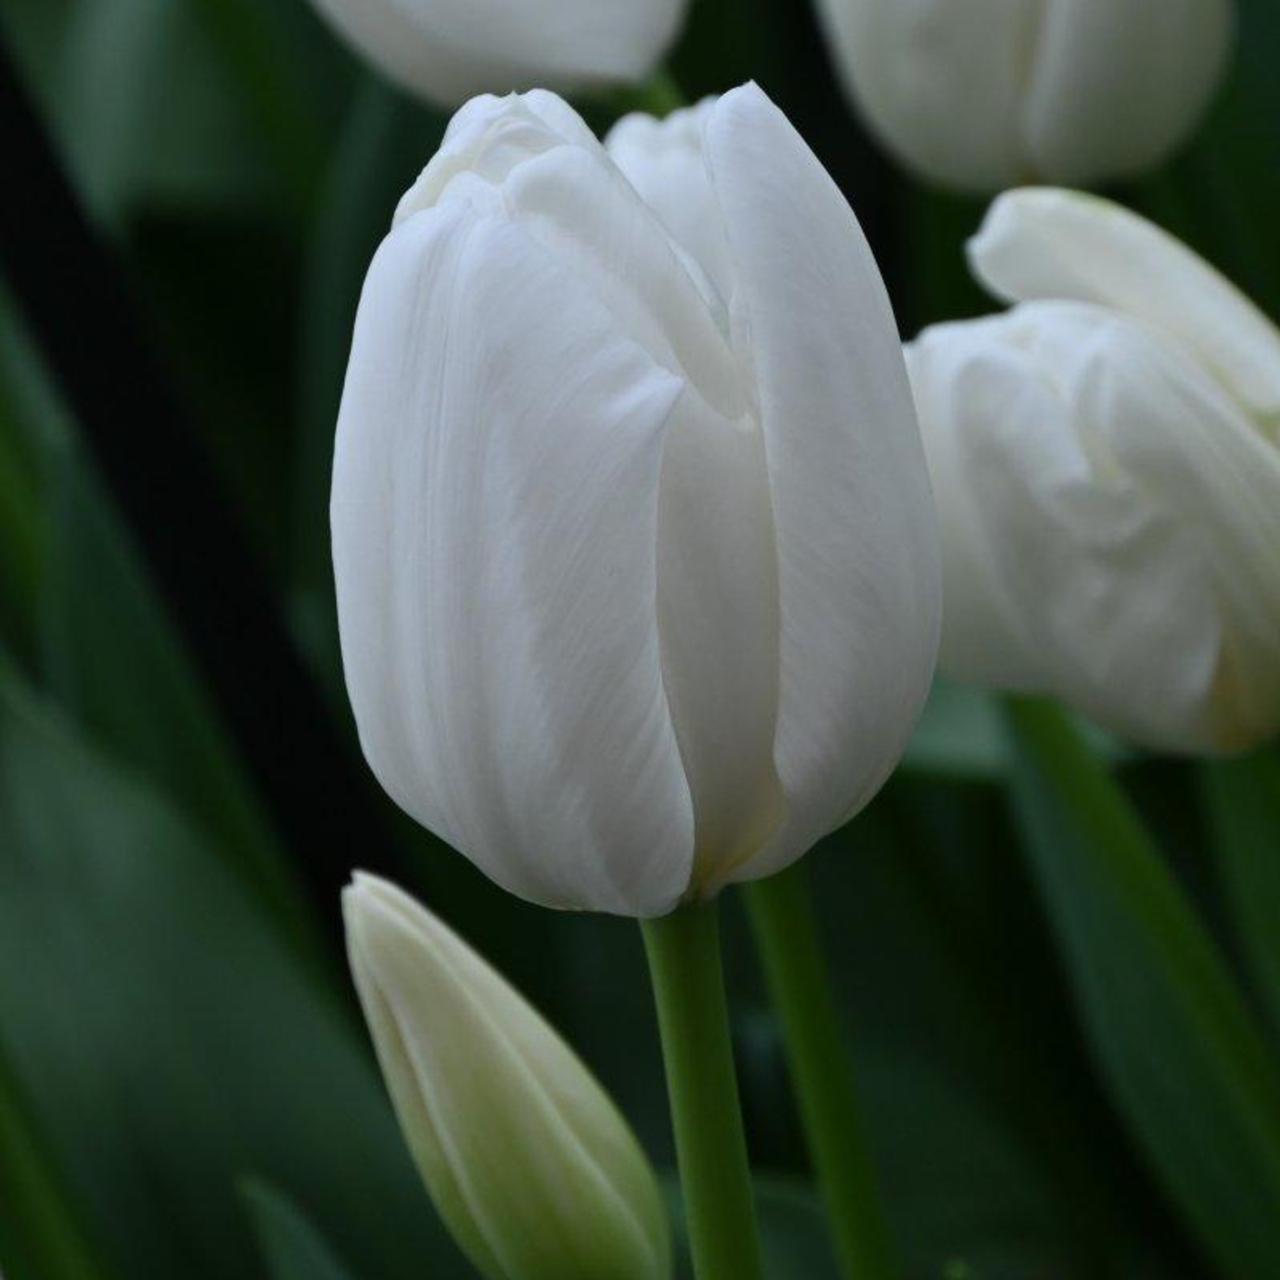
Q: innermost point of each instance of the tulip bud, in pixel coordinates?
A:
(983, 94)
(635, 554)
(1107, 472)
(447, 50)
(527, 1159)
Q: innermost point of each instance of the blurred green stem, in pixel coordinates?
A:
(658, 96)
(688, 987)
(786, 931)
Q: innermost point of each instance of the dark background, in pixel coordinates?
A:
(193, 190)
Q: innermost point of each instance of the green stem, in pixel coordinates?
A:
(661, 96)
(787, 935)
(658, 96)
(688, 987)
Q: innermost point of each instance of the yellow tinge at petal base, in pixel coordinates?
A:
(528, 1161)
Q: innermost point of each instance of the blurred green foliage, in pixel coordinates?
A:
(1062, 984)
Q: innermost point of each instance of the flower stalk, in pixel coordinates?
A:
(688, 986)
(786, 930)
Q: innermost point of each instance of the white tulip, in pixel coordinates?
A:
(984, 94)
(528, 1161)
(636, 560)
(447, 50)
(1106, 463)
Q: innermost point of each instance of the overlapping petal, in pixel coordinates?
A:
(495, 530)
(739, 527)
(664, 160)
(1050, 243)
(858, 575)
(965, 378)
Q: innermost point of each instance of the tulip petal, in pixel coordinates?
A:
(533, 158)
(1116, 84)
(495, 526)
(856, 534)
(1045, 243)
(941, 82)
(963, 376)
(527, 1158)
(664, 161)
(1189, 447)
(449, 50)
(1116, 599)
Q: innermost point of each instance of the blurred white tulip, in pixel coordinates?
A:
(528, 1161)
(445, 51)
(1106, 465)
(636, 560)
(984, 94)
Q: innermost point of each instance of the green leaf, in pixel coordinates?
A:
(113, 659)
(118, 84)
(292, 1248)
(40, 1237)
(23, 529)
(1243, 803)
(167, 1042)
(1184, 1063)
(107, 650)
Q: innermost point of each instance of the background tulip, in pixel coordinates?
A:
(447, 50)
(636, 562)
(529, 1162)
(983, 94)
(1108, 478)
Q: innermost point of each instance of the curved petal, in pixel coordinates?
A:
(532, 158)
(494, 512)
(856, 533)
(1115, 595)
(448, 50)
(527, 1158)
(1192, 451)
(718, 620)
(965, 376)
(1046, 243)
(1117, 84)
(488, 138)
(939, 81)
(665, 162)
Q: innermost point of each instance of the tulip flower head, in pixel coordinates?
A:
(1106, 462)
(527, 1159)
(636, 559)
(984, 94)
(447, 50)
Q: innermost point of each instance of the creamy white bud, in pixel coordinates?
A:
(636, 559)
(1107, 472)
(984, 94)
(531, 1166)
(445, 51)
